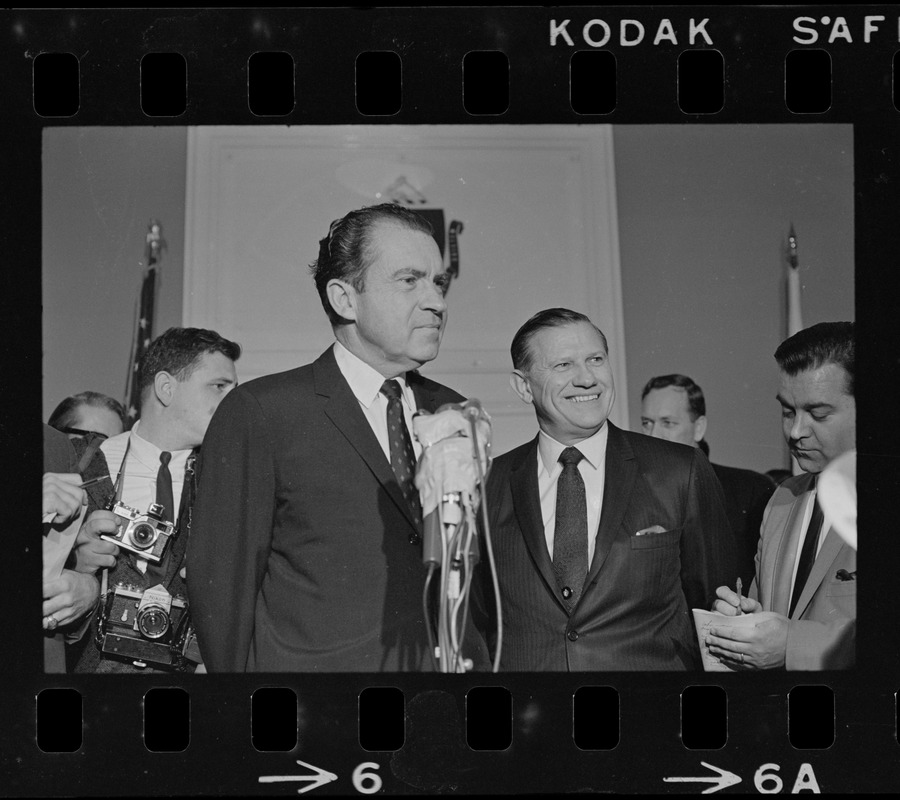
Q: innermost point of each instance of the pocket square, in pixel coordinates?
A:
(651, 529)
(843, 575)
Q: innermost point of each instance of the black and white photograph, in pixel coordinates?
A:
(449, 450)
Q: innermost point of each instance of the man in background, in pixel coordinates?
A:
(307, 546)
(805, 588)
(604, 539)
(88, 412)
(673, 408)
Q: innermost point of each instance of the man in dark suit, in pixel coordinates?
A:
(306, 549)
(673, 408)
(604, 539)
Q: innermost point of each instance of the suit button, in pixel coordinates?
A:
(566, 592)
(572, 636)
(414, 538)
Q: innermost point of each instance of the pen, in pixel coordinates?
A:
(48, 517)
(739, 587)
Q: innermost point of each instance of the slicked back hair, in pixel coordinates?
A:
(65, 414)
(178, 351)
(825, 343)
(696, 400)
(346, 252)
(520, 349)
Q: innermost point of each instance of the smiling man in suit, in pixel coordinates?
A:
(604, 539)
(306, 552)
(805, 585)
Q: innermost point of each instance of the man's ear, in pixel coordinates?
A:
(342, 297)
(699, 428)
(520, 385)
(164, 387)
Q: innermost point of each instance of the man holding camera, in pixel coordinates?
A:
(142, 622)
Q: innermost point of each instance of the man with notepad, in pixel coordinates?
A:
(804, 592)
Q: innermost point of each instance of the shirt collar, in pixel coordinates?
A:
(593, 449)
(365, 381)
(148, 453)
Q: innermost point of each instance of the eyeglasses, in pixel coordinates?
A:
(80, 432)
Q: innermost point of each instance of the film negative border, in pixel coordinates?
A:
(432, 44)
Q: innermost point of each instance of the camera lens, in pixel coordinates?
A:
(143, 535)
(152, 622)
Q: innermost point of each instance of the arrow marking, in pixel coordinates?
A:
(722, 781)
(320, 778)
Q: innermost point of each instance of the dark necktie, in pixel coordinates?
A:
(164, 486)
(807, 553)
(570, 545)
(403, 458)
(165, 498)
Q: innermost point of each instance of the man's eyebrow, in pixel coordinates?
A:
(807, 407)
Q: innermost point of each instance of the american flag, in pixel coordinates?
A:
(143, 325)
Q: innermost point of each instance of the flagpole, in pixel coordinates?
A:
(794, 314)
(794, 311)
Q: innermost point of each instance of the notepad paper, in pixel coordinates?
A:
(703, 620)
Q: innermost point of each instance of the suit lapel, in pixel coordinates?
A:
(342, 408)
(831, 546)
(621, 471)
(786, 555)
(523, 484)
(425, 400)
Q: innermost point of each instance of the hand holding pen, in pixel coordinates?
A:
(731, 603)
(64, 495)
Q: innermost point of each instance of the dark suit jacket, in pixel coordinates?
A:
(300, 556)
(746, 495)
(81, 455)
(635, 610)
(59, 456)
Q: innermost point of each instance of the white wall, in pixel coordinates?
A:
(703, 215)
(101, 187)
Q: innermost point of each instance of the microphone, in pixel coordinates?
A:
(447, 476)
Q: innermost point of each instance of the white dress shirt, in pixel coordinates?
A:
(138, 486)
(365, 383)
(593, 471)
(807, 515)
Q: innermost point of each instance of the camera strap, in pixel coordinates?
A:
(117, 486)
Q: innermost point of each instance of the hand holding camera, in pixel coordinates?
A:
(146, 534)
(91, 552)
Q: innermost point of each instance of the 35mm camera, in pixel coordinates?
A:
(146, 534)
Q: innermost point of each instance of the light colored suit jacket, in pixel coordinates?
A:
(822, 629)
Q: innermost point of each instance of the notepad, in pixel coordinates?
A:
(703, 620)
